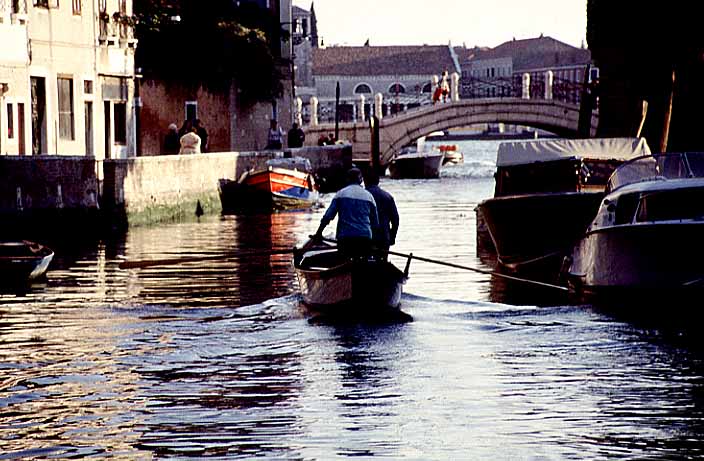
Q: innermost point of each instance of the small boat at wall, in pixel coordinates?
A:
(23, 262)
(284, 184)
(339, 287)
(646, 238)
(547, 192)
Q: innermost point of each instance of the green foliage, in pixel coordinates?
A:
(210, 43)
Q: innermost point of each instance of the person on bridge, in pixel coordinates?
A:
(356, 218)
(383, 235)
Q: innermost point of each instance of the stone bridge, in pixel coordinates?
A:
(404, 128)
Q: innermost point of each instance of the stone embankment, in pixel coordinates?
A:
(90, 194)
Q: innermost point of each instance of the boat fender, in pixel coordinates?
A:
(407, 269)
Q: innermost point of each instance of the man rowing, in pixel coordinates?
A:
(357, 217)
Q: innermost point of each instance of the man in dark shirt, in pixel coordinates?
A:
(296, 136)
(384, 235)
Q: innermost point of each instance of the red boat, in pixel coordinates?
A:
(284, 184)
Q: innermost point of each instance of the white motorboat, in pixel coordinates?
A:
(647, 235)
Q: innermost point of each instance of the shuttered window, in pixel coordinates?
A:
(65, 91)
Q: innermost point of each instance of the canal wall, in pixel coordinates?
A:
(84, 192)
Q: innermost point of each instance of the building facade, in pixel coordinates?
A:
(500, 71)
(67, 78)
(403, 75)
(231, 125)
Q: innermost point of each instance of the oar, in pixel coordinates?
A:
(187, 259)
(473, 269)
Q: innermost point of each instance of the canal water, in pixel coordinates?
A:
(217, 359)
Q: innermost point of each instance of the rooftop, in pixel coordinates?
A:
(536, 53)
(383, 60)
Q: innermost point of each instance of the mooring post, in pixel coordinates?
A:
(313, 111)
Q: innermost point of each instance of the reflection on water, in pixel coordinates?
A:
(218, 359)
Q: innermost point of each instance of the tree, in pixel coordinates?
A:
(211, 44)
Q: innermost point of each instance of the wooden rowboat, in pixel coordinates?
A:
(22, 262)
(285, 184)
(334, 285)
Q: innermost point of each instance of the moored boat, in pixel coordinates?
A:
(415, 164)
(547, 192)
(23, 262)
(452, 154)
(646, 237)
(336, 286)
(283, 185)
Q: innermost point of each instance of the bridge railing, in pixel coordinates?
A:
(539, 86)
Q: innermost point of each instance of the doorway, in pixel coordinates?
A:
(22, 149)
(38, 89)
(108, 129)
(89, 128)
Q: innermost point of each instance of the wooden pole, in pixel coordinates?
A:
(375, 148)
(337, 111)
(668, 116)
(642, 118)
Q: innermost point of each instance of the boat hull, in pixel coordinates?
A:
(23, 262)
(416, 166)
(349, 287)
(535, 232)
(663, 256)
(273, 189)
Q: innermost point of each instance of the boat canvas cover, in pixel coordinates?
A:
(294, 163)
(525, 152)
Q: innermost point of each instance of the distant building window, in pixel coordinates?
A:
(191, 110)
(362, 88)
(397, 88)
(120, 123)
(593, 74)
(76, 6)
(41, 3)
(88, 86)
(427, 88)
(65, 93)
(10, 122)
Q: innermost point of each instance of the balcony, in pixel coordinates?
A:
(13, 34)
(13, 12)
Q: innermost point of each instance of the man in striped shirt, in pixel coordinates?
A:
(356, 217)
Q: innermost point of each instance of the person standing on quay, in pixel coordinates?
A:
(296, 136)
(190, 142)
(275, 138)
(356, 217)
(171, 141)
(384, 235)
(202, 133)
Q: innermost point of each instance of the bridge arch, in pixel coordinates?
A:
(403, 128)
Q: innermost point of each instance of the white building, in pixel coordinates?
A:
(67, 78)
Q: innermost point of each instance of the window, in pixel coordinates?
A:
(397, 88)
(41, 3)
(65, 93)
(427, 88)
(363, 88)
(76, 6)
(120, 123)
(88, 86)
(10, 122)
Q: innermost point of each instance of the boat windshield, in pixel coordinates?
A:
(679, 165)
